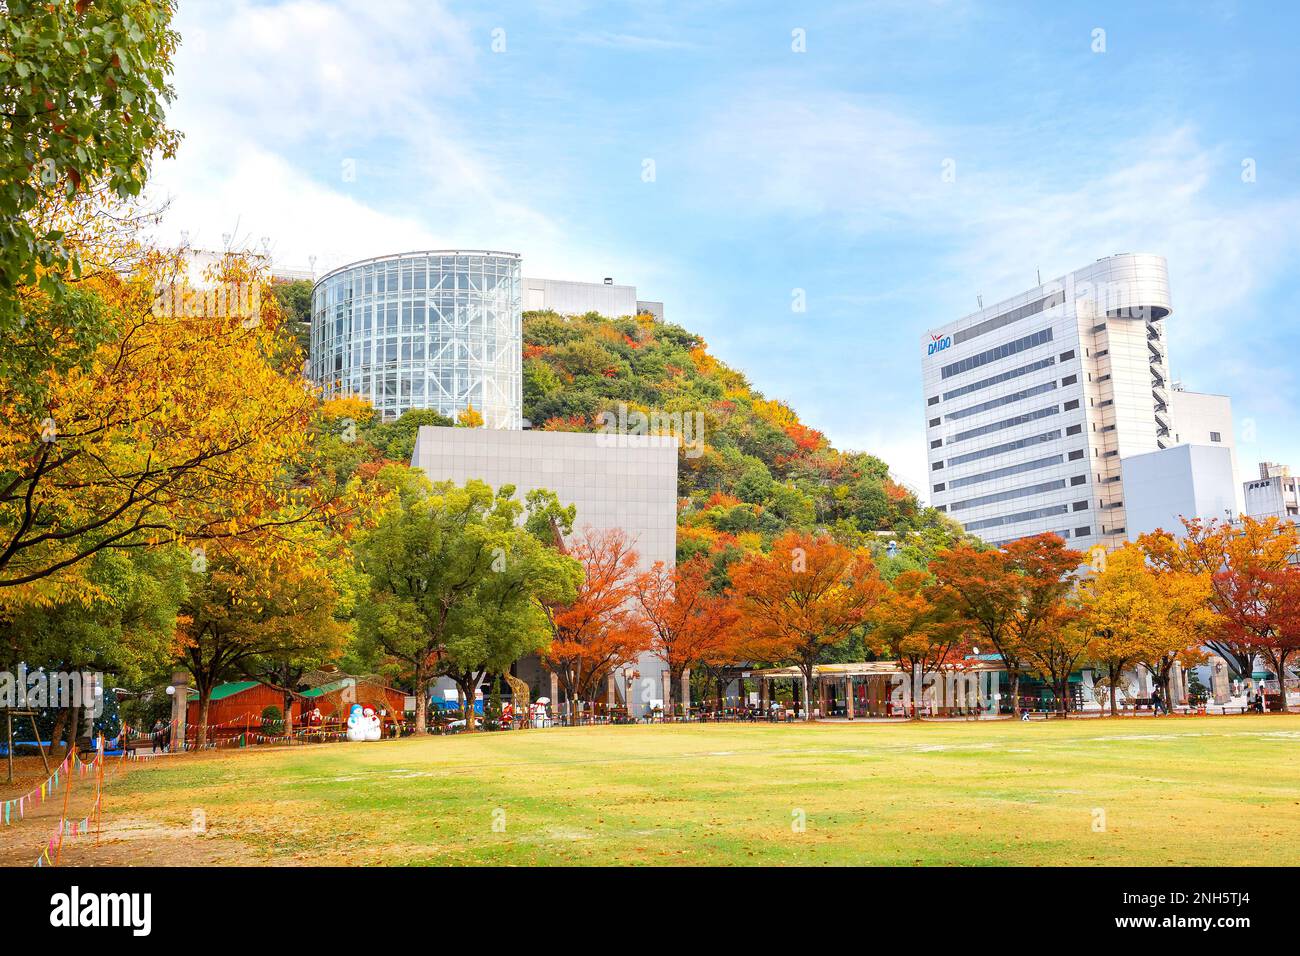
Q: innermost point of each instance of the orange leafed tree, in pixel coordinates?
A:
(981, 588)
(601, 629)
(807, 594)
(688, 623)
(168, 417)
(1251, 550)
(925, 636)
(1260, 610)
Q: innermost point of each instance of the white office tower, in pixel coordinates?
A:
(1032, 403)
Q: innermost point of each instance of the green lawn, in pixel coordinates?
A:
(1172, 791)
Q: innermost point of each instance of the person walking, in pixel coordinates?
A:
(156, 735)
(1158, 707)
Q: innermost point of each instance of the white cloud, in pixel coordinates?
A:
(273, 100)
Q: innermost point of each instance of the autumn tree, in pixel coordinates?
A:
(1181, 622)
(1251, 547)
(137, 428)
(909, 626)
(690, 624)
(598, 630)
(1118, 606)
(1260, 609)
(252, 603)
(1042, 626)
(981, 588)
(807, 594)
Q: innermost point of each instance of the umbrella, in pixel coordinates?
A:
(543, 700)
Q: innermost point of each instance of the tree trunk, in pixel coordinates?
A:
(467, 690)
(807, 691)
(1015, 694)
(74, 721)
(201, 735)
(421, 702)
(1114, 677)
(56, 733)
(1279, 666)
(288, 716)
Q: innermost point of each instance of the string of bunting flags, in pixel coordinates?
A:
(71, 829)
(16, 809)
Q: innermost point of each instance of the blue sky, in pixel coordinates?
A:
(331, 131)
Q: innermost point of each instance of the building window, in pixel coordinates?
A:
(933, 400)
(1083, 532)
(1076, 454)
(1078, 479)
(1007, 423)
(1003, 400)
(1006, 447)
(1069, 380)
(999, 378)
(1005, 472)
(934, 422)
(1074, 430)
(940, 486)
(936, 466)
(1069, 406)
(1025, 492)
(1215, 436)
(1066, 356)
(1040, 337)
(936, 443)
(1081, 506)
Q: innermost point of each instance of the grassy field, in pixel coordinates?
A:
(1083, 792)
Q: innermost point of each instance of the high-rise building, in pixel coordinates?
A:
(440, 330)
(1031, 403)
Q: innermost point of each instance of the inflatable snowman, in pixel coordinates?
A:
(374, 727)
(356, 723)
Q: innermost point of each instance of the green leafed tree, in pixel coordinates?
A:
(454, 583)
(83, 87)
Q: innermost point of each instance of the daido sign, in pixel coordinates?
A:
(938, 343)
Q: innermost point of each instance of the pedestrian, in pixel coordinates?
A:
(156, 735)
(1158, 703)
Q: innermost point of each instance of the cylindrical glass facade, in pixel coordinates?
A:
(440, 330)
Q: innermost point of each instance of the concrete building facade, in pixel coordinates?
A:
(1193, 481)
(578, 298)
(1274, 494)
(614, 481)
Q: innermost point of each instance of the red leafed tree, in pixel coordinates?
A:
(689, 624)
(1259, 609)
(805, 595)
(602, 629)
(981, 588)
